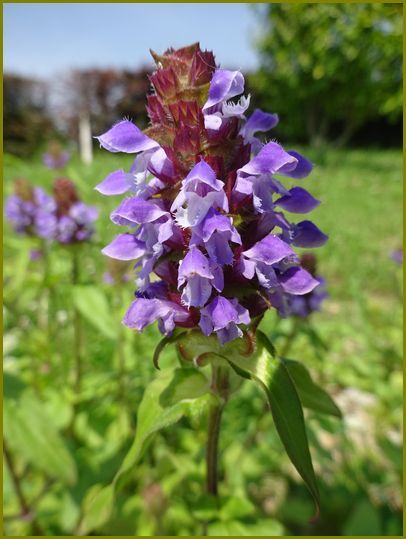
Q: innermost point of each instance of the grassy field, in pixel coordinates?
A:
(353, 346)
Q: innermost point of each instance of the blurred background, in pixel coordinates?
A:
(333, 73)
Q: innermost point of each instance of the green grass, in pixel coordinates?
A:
(359, 362)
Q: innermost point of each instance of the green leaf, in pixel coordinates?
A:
(92, 304)
(273, 376)
(168, 398)
(237, 507)
(311, 395)
(97, 508)
(31, 434)
(233, 528)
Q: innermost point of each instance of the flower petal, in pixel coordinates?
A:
(302, 169)
(269, 250)
(136, 210)
(271, 158)
(298, 201)
(116, 183)
(125, 247)
(223, 86)
(258, 121)
(297, 281)
(126, 137)
(307, 234)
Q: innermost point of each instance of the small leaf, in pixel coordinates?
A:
(97, 508)
(92, 304)
(237, 507)
(154, 413)
(185, 384)
(286, 408)
(311, 395)
(32, 435)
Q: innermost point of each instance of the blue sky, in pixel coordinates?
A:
(47, 39)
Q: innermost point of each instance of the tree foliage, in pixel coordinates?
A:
(331, 67)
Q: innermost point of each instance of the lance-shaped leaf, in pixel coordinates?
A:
(273, 376)
(311, 395)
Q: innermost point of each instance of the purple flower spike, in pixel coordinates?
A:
(205, 204)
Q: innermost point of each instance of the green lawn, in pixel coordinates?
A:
(353, 346)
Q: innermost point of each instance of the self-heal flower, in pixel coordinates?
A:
(205, 202)
(74, 219)
(31, 211)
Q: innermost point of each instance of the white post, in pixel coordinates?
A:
(85, 138)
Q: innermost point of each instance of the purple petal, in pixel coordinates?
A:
(297, 281)
(306, 234)
(269, 250)
(143, 312)
(258, 121)
(124, 247)
(271, 158)
(298, 201)
(202, 173)
(136, 210)
(215, 222)
(126, 137)
(222, 312)
(196, 292)
(302, 169)
(229, 333)
(194, 263)
(223, 86)
(116, 183)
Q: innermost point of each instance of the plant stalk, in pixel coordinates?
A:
(26, 512)
(77, 328)
(219, 386)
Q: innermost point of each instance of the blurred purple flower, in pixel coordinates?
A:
(55, 157)
(397, 256)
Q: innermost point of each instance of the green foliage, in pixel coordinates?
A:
(327, 68)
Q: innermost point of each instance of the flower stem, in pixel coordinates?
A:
(219, 386)
(26, 512)
(77, 329)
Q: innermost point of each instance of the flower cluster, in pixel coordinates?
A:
(204, 204)
(63, 217)
(30, 210)
(74, 219)
(304, 305)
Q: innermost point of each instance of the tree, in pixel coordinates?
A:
(331, 67)
(27, 123)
